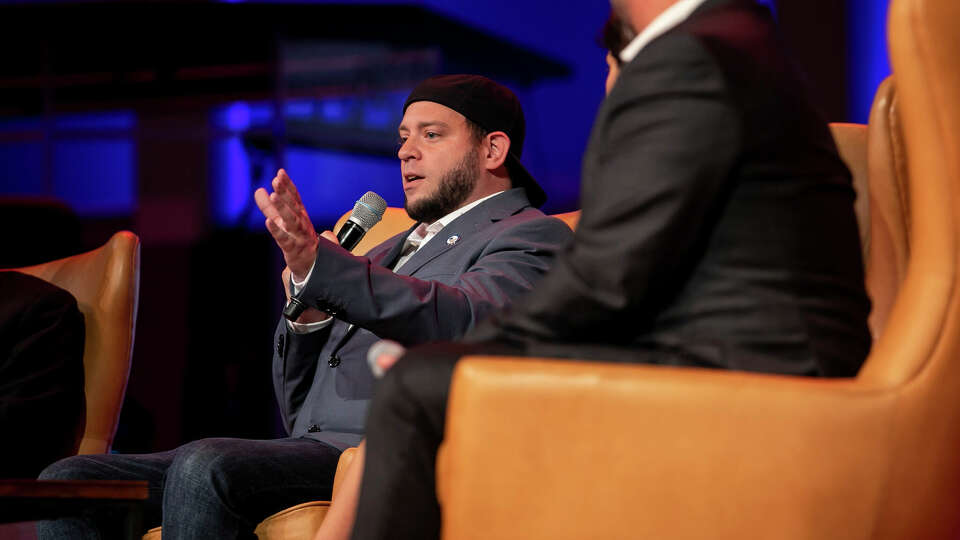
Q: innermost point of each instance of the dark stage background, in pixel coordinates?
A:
(164, 117)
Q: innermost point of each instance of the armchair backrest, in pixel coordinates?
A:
(916, 356)
(920, 330)
(395, 220)
(570, 218)
(106, 284)
(693, 453)
(889, 249)
(875, 155)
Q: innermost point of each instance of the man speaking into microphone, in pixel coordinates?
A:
(479, 242)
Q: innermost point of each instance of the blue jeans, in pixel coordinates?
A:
(211, 488)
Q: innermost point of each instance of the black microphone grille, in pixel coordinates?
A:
(368, 211)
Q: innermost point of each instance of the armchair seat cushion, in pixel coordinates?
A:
(294, 523)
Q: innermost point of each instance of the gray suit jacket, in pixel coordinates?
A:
(322, 380)
(718, 225)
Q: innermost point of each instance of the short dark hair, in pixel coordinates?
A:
(614, 36)
(477, 133)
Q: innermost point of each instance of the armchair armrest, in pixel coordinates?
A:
(537, 448)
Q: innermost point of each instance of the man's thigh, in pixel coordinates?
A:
(145, 467)
(148, 467)
(255, 477)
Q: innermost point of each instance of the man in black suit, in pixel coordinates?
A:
(42, 406)
(717, 231)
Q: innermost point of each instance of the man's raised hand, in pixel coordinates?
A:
(288, 223)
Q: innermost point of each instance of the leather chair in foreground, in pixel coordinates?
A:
(546, 449)
(106, 284)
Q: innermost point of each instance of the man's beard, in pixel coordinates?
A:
(455, 186)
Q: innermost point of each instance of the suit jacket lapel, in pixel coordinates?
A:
(495, 209)
(390, 259)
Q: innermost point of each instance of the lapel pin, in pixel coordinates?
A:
(453, 240)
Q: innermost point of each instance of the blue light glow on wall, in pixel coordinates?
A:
(230, 190)
(234, 117)
(867, 59)
(23, 172)
(333, 110)
(230, 165)
(95, 177)
(109, 120)
(86, 160)
(89, 159)
(329, 181)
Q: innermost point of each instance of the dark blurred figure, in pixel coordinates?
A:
(42, 407)
(614, 37)
(717, 230)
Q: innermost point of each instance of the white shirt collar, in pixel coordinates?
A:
(439, 224)
(666, 21)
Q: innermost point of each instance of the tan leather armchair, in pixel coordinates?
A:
(106, 284)
(547, 449)
(303, 520)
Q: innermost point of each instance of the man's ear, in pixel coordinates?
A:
(496, 147)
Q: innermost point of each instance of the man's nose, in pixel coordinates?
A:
(407, 150)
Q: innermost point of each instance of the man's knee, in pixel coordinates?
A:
(71, 468)
(200, 459)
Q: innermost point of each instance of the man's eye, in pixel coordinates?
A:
(400, 141)
(432, 135)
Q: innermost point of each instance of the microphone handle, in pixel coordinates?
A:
(349, 236)
(294, 309)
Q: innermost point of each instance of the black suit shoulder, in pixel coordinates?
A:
(717, 223)
(675, 62)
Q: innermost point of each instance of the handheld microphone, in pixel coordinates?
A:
(367, 212)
